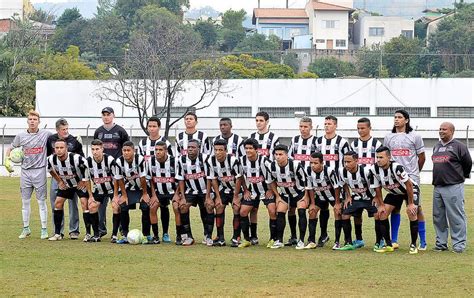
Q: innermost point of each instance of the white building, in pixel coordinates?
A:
(369, 30)
(9, 8)
(329, 25)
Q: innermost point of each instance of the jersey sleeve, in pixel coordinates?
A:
(309, 180)
(170, 148)
(81, 166)
(341, 181)
(401, 173)
(333, 178)
(375, 183)
(179, 170)
(50, 163)
(210, 169)
(141, 166)
(419, 145)
(265, 169)
(300, 173)
(118, 170)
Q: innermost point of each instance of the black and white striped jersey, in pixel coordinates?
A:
(131, 172)
(290, 179)
(333, 151)
(102, 174)
(393, 179)
(359, 182)
(301, 149)
(193, 173)
(71, 170)
(182, 142)
(323, 183)
(235, 145)
(266, 143)
(256, 175)
(163, 175)
(146, 147)
(366, 150)
(225, 172)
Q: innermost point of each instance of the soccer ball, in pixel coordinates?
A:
(135, 236)
(16, 155)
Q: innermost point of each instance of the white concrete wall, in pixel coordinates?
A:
(341, 32)
(393, 27)
(8, 8)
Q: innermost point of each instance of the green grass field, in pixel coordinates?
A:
(38, 267)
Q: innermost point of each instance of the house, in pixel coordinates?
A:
(369, 30)
(15, 8)
(433, 24)
(285, 23)
(329, 24)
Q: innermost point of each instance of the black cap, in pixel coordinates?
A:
(108, 110)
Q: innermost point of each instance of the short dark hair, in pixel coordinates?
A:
(281, 147)
(405, 114)
(60, 140)
(191, 113)
(61, 122)
(331, 117)
(128, 144)
(97, 142)
(318, 155)
(154, 119)
(161, 144)
(364, 120)
(263, 114)
(352, 153)
(383, 149)
(252, 142)
(226, 119)
(195, 141)
(221, 142)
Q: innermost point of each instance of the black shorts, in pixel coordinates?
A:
(355, 209)
(194, 200)
(293, 201)
(323, 204)
(397, 200)
(70, 192)
(253, 202)
(102, 197)
(266, 201)
(164, 199)
(227, 198)
(134, 197)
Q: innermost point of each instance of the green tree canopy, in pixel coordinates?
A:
(69, 15)
(332, 68)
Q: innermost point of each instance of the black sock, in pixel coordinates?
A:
(323, 222)
(346, 225)
(94, 218)
(185, 224)
(154, 227)
(358, 230)
(253, 230)
(146, 223)
(178, 232)
(385, 231)
(414, 231)
(115, 224)
(58, 219)
(244, 225)
(165, 218)
(220, 226)
(124, 220)
(210, 224)
(292, 224)
(203, 214)
(302, 222)
(273, 229)
(378, 231)
(236, 226)
(313, 222)
(338, 228)
(87, 222)
(281, 223)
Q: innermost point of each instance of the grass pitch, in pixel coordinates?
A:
(38, 267)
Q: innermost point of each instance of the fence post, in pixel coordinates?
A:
(87, 137)
(467, 136)
(3, 144)
(131, 127)
(317, 126)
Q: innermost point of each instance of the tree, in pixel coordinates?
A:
(175, 6)
(208, 31)
(105, 8)
(233, 31)
(402, 57)
(232, 19)
(157, 68)
(68, 35)
(369, 61)
(291, 59)
(331, 68)
(260, 43)
(69, 15)
(128, 9)
(42, 16)
(231, 38)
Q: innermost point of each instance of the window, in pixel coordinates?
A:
(271, 32)
(330, 24)
(340, 42)
(235, 112)
(284, 112)
(320, 41)
(295, 32)
(343, 111)
(376, 31)
(414, 112)
(407, 33)
(176, 112)
(456, 112)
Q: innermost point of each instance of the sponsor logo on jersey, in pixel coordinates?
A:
(195, 176)
(100, 180)
(110, 145)
(255, 179)
(286, 184)
(32, 151)
(263, 152)
(163, 179)
(322, 188)
(359, 190)
(303, 157)
(391, 186)
(401, 152)
(330, 157)
(227, 178)
(440, 159)
(366, 160)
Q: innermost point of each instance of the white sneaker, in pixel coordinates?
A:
(25, 233)
(310, 245)
(278, 244)
(56, 237)
(44, 233)
(300, 245)
(204, 240)
(87, 238)
(209, 242)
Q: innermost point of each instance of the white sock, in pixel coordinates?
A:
(43, 211)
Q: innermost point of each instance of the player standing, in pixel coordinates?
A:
(191, 133)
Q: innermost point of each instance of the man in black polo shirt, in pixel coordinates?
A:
(112, 136)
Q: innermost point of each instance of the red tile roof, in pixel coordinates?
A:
(279, 13)
(316, 5)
